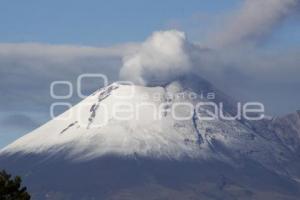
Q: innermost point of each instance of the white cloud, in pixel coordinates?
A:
(161, 58)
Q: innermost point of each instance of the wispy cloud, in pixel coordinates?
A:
(253, 21)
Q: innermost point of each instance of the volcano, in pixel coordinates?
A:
(134, 142)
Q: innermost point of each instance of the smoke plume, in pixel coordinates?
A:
(253, 21)
(161, 58)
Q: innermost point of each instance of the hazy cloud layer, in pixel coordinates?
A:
(20, 121)
(27, 70)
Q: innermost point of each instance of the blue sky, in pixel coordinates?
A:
(27, 71)
(96, 22)
(99, 22)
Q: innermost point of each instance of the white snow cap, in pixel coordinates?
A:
(161, 58)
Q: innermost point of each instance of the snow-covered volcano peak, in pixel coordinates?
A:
(160, 122)
(117, 119)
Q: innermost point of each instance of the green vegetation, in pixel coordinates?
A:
(11, 188)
